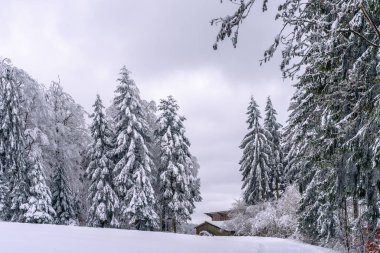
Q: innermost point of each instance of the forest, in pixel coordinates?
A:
(117, 172)
(329, 147)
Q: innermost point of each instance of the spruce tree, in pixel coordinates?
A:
(318, 218)
(4, 195)
(104, 202)
(311, 161)
(13, 163)
(63, 198)
(24, 194)
(133, 163)
(255, 164)
(179, 187)
(4, 146)
(273, 134)
(39, 208)
(334, 46)
(298, 134)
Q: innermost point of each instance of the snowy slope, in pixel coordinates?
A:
(31, 238)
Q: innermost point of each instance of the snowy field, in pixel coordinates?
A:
(31, 238)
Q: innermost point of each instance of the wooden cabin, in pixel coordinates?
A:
(215, 227)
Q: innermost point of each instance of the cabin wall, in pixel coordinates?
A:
(213, 230)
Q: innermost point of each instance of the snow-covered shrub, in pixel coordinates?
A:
(205, 233)
(186, 228)
(286, 208)
(264, 222)
(240, 213)
(276, 218)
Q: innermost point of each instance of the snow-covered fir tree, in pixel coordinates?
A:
(39, 208)
(179, 187)
(332, 141)
(4, 195)
(63, 198)
(273, 134)
(25, 196)
(104, 202)
(255, 162)
(133, 163)
(298, 133)
(4, 146)
(13, 163)
(340, 86)
(319, 218)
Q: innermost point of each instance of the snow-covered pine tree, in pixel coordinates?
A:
(334, 46)
(13, 164)
(273, 134)
(312, 160)
(319, 177)
(4, 190)
(255, 164)
(4, 174)
(4, 195)
(63, 198)
(298, 133)
(62, 193)
(334, 132)
(30, 198)
(104, 202)
(179, 187)
(39, 208)
(34, 111)
(133, 163)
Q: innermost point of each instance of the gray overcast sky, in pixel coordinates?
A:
(167, 44)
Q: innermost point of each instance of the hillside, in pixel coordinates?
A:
(31, 238)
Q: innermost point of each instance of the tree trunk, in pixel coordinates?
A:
(277, 191)
(355, 201)
(163, 222)
(355, 204)
(346, 225)
(174, 226)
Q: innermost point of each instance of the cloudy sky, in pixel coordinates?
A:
(167, 45)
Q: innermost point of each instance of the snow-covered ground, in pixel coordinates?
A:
(31, 238)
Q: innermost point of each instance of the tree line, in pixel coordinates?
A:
(128, 169)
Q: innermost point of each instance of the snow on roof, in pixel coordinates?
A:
(218, 212)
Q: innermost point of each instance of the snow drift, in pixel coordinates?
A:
(33, 238)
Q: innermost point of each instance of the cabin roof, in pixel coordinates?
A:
(218, 212)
